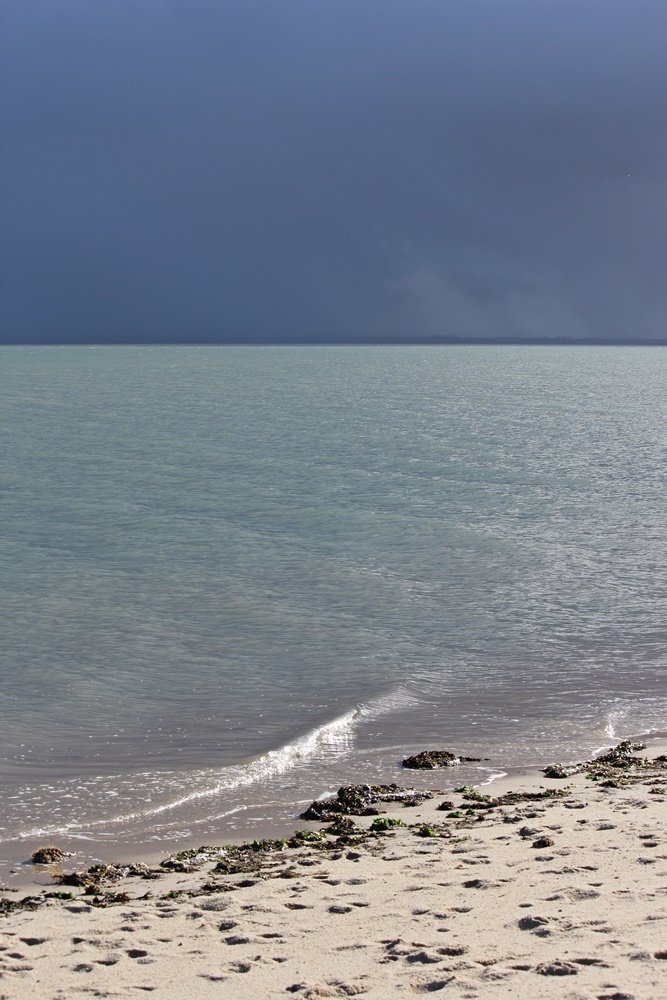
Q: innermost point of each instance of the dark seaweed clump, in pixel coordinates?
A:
(430, 759)
(361, 800)
(617, 766)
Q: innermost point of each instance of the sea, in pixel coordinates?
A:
(236, 578)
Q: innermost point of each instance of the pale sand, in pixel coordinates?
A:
(400, 915)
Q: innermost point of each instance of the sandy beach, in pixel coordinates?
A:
(532, 886)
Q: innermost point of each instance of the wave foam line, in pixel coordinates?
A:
(614, 717)
(336, 735)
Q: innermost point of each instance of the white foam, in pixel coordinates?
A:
(494, 776)
(332, 737)
(335, 737)
(613, 719)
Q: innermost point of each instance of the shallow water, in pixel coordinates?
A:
(234, 577)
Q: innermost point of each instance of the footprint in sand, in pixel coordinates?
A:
(557, 968)
(111, 959)
(434, 985)
(538, 925)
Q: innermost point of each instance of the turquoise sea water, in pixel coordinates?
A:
(234, 578)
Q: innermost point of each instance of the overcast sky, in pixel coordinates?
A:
(247, 170)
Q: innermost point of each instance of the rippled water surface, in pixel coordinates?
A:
(235, 577)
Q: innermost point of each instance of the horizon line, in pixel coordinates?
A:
(365, 342)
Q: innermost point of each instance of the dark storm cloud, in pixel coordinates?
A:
(285, 169)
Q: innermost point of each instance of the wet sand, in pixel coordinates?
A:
(559, 890)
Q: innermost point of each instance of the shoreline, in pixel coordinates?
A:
(529, 884)
(24, 877)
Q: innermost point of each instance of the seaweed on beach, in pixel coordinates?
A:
(615, 767)
(264, 858)
(308, 838)
(513, 798)
(191, 859)
(48, 855)
(240, 863)
(383, 823)
(432, 830)
(258, 854)
(430, 759)
(562, 770)
(341, 826)
(8, 906)
(92, 879)
(475, 798)
(361, 800)
(622, 756)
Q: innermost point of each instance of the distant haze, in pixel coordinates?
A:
(322, 170)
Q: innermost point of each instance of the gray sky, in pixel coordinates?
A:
(318, 169)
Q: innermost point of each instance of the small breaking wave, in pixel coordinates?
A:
(335, 738)
(614, 718)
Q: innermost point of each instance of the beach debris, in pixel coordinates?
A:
(562, 770)
(93, 879)
(382, 823)
(311, 837)
(414, 800)
(606, 765)
(622, 755)
(48, 855)
(512, 798)
(190, 860)
(341, 826)
(359, 800)
(430, 759)
(26, 903)
(473, 795)
(252, 857)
